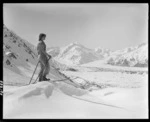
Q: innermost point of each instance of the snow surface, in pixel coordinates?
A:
(59, 99)
(17, 51)
(48, 100)
(102, 64)
(111, 79)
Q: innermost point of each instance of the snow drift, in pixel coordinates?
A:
(58, 100)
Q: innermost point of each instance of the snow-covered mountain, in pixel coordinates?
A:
(17, 51)
(133, 56)
(136, 56)
(75, 54)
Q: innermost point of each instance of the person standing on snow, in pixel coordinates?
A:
(43, 58)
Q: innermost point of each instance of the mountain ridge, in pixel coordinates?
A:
(74, 53)
(77, 54)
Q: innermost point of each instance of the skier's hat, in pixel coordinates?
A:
(41, 35)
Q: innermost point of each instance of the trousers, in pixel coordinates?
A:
(44, 67)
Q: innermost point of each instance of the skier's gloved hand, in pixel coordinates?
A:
(49, 56)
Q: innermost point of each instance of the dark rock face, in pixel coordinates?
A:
(72, 69)
(141, 65)
(12, 55)
(8, 62)
(7, 47)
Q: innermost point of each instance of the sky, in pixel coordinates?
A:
(112, 26)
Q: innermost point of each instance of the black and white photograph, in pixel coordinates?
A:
(75, 61)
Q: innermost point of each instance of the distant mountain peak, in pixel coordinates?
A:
(75, 43)
(143, 44)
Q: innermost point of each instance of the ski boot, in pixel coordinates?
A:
(40, 79)
(46, 79)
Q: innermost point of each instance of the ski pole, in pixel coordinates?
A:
(36, 79)
(33, 72)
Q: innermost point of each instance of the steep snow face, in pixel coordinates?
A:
(16, 51)
(76, 53)
(133, 56)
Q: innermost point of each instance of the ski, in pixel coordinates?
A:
(71, 80)
(65, 81)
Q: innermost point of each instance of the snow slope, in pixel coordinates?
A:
(16, 51)
(59, 100)
(103, 79)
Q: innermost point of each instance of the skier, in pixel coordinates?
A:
(43, 58)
